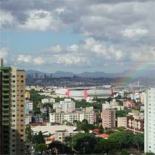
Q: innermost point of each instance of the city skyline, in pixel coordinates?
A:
(78, 36)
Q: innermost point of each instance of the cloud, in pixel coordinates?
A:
(145, 56)
(38, 61)
(102, 50)
(114, 20)
(29, 59)
(135, 32)
(40, 20)
(6, 19)
(113, 30)
(24, 58)
(55, 49)
(4, 52)
(60, 10)
(70, 60)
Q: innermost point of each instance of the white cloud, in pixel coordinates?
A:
(74, 48)
(24, 58)
(29, 59)
(69, 59)
(55, 49)
(118, 54)
(147, 55)
(38, 61)
(60, 10)
(41, 20)
(4, 52)
(134, 32)
(102, 50)
(6, 19)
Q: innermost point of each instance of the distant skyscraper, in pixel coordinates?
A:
(12, 100)
(149, 121)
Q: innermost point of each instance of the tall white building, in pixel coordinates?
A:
(67, 105)
(149, 125)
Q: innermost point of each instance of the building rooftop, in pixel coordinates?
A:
(53, 129)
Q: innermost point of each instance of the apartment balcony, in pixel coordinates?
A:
(6, 84)
(6, 80)
(6, 88)
(5, 93)
(5, 115)
(5, 110)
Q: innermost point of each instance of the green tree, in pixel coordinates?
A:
(82, 104)
(121, 113)
(138, 141)
(121, 139)
(124, 152)
(100, 146)
(68, 141)
(109, 146)
(36, 98)
(49, 108)
(58, 99)
(38, 138)
(28, 133)
(40, 148)
(84, 143)
(57, 147)
(85, 126)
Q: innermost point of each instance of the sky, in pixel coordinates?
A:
(77, 35)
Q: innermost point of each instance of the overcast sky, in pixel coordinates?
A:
(77, 35)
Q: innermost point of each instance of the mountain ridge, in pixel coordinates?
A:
(97, 74)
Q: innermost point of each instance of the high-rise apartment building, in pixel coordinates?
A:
(108, 117)
(149, 120)
(17, 111)
(5, 101)
(12, 100)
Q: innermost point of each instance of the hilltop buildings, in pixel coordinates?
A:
(12, 101)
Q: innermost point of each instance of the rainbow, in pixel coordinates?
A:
(135, 71)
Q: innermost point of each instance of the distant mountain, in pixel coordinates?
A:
(60, 74)
(33, 72)
(100, 74)
(36, 74)
(146, 78)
